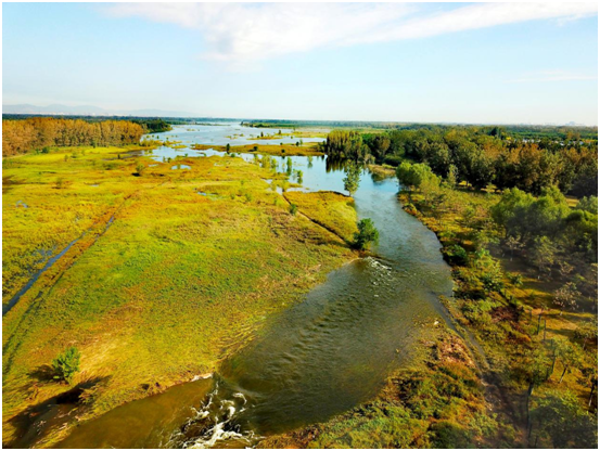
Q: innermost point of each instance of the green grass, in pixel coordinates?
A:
(175, 284)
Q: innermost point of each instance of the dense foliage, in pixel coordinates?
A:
(536, 322)
(483, 156)
(153, 125)
(40, 133)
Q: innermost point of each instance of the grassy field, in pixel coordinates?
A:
(173, 270)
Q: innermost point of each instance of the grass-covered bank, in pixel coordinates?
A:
(288, 150)
(174, 270)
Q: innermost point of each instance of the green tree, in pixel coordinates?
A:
(66, 364)
(544, 255)
(367, 234)
(414, 176)
(560, 421)
(352, 179)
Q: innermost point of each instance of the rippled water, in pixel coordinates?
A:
(329, 352)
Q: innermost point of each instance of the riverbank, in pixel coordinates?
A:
(505, 304)
(435, 402)
(177, 265)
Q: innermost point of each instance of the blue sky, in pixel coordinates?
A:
(477, 63)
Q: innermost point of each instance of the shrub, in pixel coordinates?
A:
(515, 278)
(66, 364)
(456, 255)
(367, 234)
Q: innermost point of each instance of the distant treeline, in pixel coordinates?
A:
(516, 131)
(481, 156)
(40, 133)
(150, 124)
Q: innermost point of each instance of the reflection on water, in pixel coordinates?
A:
(333, 350)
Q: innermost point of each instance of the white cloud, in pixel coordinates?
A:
(242, 33)
(552, 75)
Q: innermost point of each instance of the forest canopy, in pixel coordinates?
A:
(39, 133)
(483, 156)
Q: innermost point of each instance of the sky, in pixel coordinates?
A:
(408, 62)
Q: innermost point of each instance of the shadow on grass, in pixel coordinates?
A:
(34, 423)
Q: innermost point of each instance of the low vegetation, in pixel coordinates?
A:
(306, 149)
(164, 273)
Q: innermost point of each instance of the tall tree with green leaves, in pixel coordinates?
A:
(352, 179)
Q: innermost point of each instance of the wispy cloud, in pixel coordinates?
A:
(242, 33)
(552, 75)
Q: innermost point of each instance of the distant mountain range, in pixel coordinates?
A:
(88, 110)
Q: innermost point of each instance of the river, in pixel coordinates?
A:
(319, 358)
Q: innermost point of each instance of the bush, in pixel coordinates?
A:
(515, 278)
(392, 160)
(456, 255)
(448, 435)
(66, 364)
(367, 234)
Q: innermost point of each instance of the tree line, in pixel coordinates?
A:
(482, 156)
(40, 133)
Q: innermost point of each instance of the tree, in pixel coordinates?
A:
(66, 364)
(567, 356)
(413, 176)
(293, 209)
(367, 234)
(566, 297)
(543, 255)
(513, 244)
(140, 168)
(452, 179)
(352, 179)
(561, 421)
